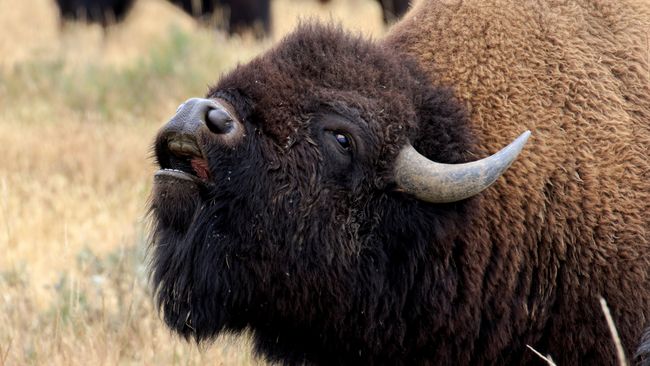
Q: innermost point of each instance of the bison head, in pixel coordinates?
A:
(292, 200)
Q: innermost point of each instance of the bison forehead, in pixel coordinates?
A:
(320, 67)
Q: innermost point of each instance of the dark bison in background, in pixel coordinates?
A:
(103, 12)
(255, 15)
(325, 195)
(242, 15)
(391, 9)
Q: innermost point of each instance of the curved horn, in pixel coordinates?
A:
(438, 182)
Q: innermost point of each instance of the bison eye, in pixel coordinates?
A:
(343, 140)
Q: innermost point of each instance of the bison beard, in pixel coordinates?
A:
(283, 215)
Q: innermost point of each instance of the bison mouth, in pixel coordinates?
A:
(180, 158)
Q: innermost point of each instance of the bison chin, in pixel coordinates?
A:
(175, 199)
(190, 258)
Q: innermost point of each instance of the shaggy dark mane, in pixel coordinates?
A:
(282, 278)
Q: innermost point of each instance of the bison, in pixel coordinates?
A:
(255, 15)
(391, 9)
(242, 15)
(333, 196)
(103, 12)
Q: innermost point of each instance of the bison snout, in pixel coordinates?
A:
(197, 114)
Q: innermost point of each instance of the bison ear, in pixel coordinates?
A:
(443, 127)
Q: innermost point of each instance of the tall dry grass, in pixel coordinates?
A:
(78, 112)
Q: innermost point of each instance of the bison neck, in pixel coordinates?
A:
(552, 231)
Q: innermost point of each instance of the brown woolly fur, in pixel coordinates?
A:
(300, 234)
(571, 219)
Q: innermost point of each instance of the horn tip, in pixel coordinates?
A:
(524, 136)
(519, 142)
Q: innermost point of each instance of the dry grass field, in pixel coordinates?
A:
(78, 111)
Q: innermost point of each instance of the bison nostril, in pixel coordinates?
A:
(218, 121)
